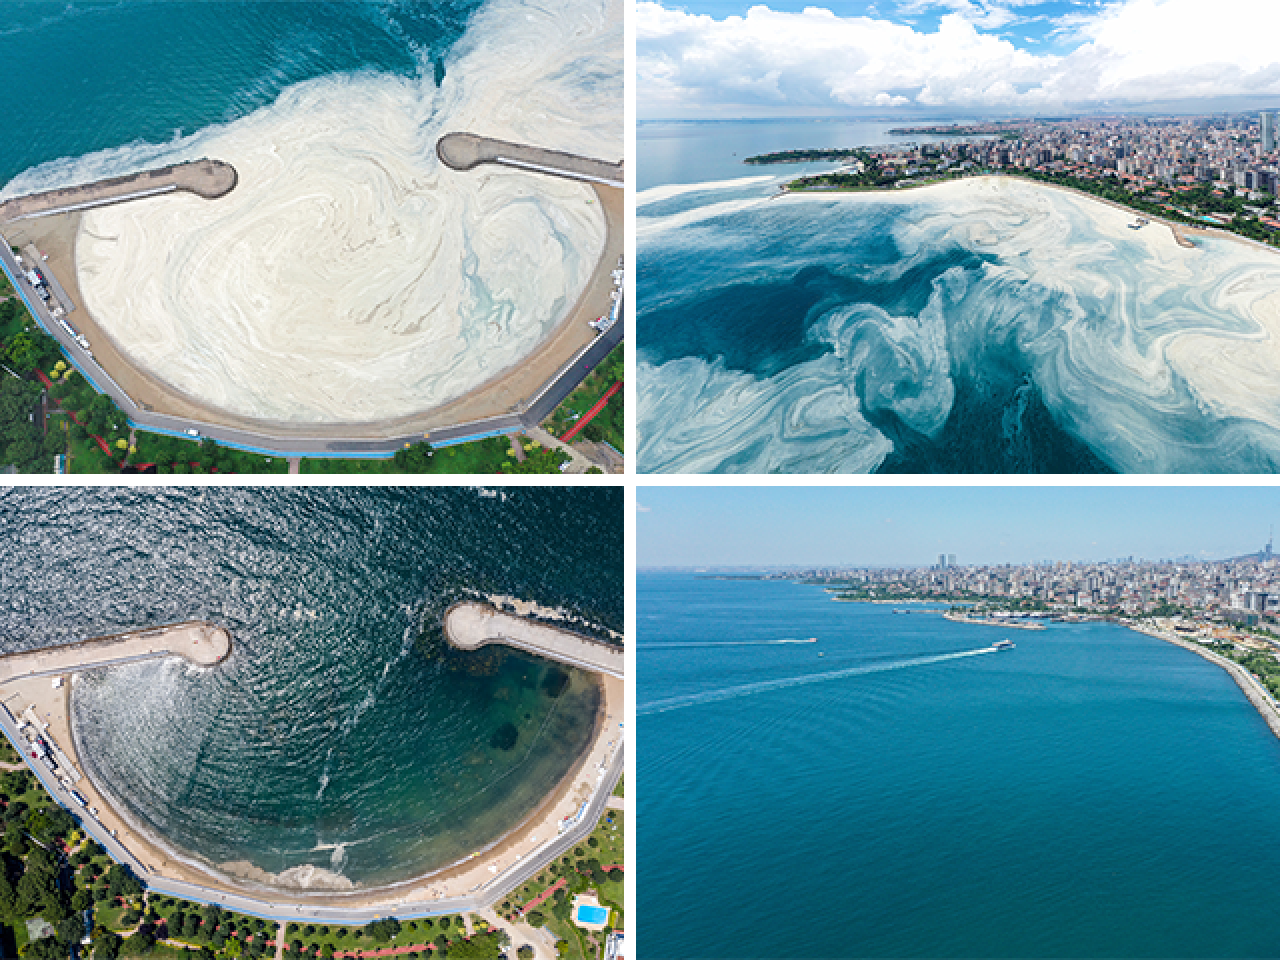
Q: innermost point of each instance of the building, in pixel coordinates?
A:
(1267, 125)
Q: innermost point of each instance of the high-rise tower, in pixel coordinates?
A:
(1267, 123)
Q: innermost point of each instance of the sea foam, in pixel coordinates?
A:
(349, 276)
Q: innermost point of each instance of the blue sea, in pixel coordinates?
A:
(895, 789)
(1000, 327)
(343, 740)
(102, 74)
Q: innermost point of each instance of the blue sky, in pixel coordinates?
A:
(953, 58)
(909, 526)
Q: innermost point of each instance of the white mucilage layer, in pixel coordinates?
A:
(1159, 357)
(350, 276)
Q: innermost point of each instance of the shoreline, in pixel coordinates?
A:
(1254, 692)
(1179, 230)
(472, 882)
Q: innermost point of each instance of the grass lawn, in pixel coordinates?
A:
(617, 791)
(492, 455)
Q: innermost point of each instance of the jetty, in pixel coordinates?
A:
(469, 626)
(203, 644)
(206, 178)
(465, 151)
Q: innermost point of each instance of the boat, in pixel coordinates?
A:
(1002, 645)
(1139, 223)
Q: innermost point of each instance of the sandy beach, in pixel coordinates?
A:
(478, 875)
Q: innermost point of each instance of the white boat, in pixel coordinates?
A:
(1002, 645)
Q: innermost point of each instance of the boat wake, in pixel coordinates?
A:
(763, 686)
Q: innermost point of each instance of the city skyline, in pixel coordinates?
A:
(799, 527)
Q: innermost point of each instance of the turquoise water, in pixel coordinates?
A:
(589, 914)
(1093, 793)
(342, 734)
(88, 76)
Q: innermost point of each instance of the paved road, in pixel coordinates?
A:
(552, 395)
(494, 891)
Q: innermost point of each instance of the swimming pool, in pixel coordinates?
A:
(590, 914)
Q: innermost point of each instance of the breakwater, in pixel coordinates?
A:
(200, 642)
(469, 626)
(465, 151)
(209, 179)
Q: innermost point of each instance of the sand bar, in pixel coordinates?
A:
(470, 626)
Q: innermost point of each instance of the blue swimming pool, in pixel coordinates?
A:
(590, 914)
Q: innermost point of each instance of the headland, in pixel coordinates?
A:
(35, 690)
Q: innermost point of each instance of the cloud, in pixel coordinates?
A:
(1127, 52)
(641, 508)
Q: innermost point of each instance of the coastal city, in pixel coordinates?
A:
(1220, 170)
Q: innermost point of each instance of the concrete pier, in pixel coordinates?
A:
(464, 151)
(203, 644)
(469, 626)
(205, 178)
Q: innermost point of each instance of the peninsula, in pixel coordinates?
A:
(35, 690)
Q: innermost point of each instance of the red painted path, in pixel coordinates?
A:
(599, 405)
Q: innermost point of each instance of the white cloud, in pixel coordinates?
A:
(1132, 50)
(641, 508)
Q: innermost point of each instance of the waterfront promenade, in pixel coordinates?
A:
(470, 626)
(204, 178)
(564, 819)
(465, 151)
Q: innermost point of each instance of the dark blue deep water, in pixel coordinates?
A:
(97, 74)
(342, 732)
(1093, 793)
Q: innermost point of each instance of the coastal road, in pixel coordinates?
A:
(491, 893)
(550, 397)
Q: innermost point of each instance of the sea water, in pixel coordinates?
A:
(999, 326)
(1094, 792)
(343, 742)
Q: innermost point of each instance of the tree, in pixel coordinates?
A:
(122, 883)
(525, 952)
(415, 459)
(536, 919)
(383, 930)
(106, 945)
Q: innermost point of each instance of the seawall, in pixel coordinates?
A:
(209, 179)
(469, 626)
(465, 151)
(1252, 689)
(203, 644)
